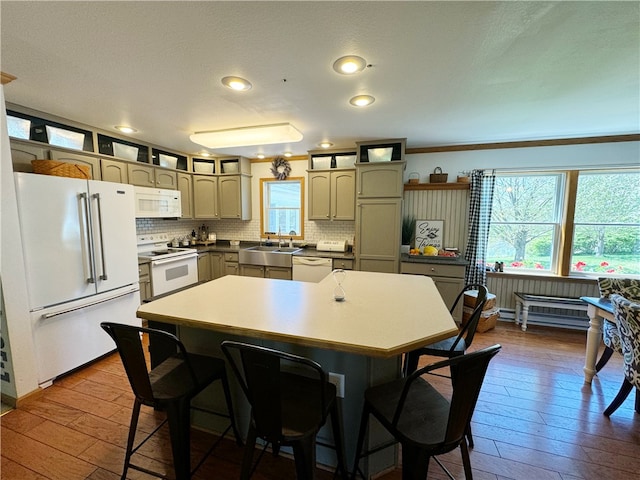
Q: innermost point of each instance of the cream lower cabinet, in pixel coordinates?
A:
(205, 197)
(449, 280)
(185, 186)
(204, 267)
(259, 271)
(378, 234)
(332, 195)
(92, 162)
(217, 265)
(231, 266)
(114, 171)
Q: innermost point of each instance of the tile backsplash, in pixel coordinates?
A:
(247, 231)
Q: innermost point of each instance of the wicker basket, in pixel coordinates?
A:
(61, 169)
(437, 176)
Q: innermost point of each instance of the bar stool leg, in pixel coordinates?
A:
(179, 431)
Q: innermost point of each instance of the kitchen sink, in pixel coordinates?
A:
(269, 256)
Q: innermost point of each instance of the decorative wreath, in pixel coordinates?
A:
(280, 168)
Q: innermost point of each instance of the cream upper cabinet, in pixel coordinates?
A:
(92, 162)
(205, 196)
(114, 171)
(332, 195)
(166, 178)
(141, 175)
(377, 180)
(185, 185)
(22, 154)
(235, 196)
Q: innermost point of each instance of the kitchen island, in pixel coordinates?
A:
(362, 337)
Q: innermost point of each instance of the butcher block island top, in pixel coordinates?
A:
(383, 315)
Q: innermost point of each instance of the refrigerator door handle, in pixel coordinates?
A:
(92, 274)
(47, 316)
(103, 276)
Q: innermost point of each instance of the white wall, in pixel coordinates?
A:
(566, 156)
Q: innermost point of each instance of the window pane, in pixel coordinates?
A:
(521, 246)
(525, 221)
(606, 236)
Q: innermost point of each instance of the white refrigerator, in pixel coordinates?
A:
(79, 240)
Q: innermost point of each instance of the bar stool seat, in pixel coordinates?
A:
(168, 387)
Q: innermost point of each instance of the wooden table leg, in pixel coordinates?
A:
(593, 341)
(525, 316)
(517, 312)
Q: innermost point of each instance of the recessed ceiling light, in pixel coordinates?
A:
(204, 154)
(260, 156)
(288, 154)
(362, 100)
(125, 129)
(349, 65)
(325, 144)
(236, 83)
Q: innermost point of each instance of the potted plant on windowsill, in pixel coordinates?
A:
(408, 230)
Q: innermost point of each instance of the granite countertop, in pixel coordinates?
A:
(433, 259)
(309, 251)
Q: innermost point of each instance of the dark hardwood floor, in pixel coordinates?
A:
(535, 419)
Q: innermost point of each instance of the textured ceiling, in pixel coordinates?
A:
(442, 73)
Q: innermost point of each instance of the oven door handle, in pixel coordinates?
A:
(164, 261)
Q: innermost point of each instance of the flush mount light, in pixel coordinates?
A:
(236, 83)
(125, 129)
(349, 65)
(325, 144)
(260, 156)
(204, 154)
(247, 136)
(362, 100)
(288, 154)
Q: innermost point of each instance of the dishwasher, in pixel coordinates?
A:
(311, 269)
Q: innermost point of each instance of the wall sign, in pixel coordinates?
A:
(429, 232)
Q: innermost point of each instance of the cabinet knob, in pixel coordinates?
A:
(327, 215)
(433, 269)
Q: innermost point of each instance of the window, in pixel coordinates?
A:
(281, 209)
(571, 223)
(525, 221)
(606, 235)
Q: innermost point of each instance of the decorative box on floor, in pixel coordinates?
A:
(490, 312)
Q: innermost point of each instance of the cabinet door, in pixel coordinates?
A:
(378, 235)
(229, 194)
(166, 179)
(319, 195)
(380, 179)
(281, 273)
(141, 175)
(449, 289)
(231, 268)
(343, 195)
(114, 171)
(92, 162)
(252, 271)
(21, 156)
(185, 186)
(204, 267)
(145, 281)
(205, 196)
(217, 265)
(344, 264)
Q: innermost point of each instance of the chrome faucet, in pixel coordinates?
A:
(279, 238)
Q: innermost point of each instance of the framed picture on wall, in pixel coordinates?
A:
(429, 232)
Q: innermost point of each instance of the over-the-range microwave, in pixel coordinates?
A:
(157, 203)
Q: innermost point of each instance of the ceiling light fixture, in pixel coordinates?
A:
(325, 144)
(125, 129)
(247, 136)
(260, 155)
(236, 83)
(349, 65)
(288, 154)
(362, 100)
(205, 154)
